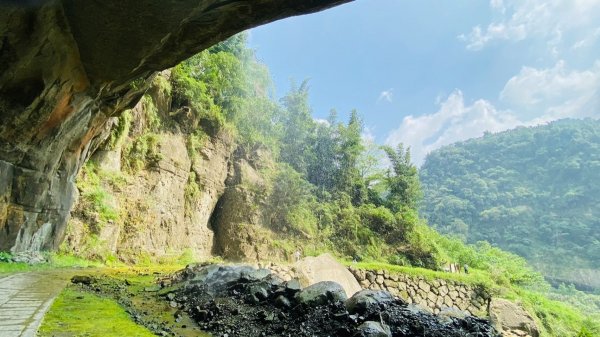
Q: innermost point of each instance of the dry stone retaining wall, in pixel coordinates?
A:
(434, 295)
(437, 296)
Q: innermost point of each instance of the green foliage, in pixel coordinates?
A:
(119, 133)
(584, 332)
(163, 85)
(142, 152)
(379, 219)
(504, 268)
(13, 267)
(556, 318)
(5, 257)
(153, 121)
(584, 302)
(351, 147)
(58, 260)
(290, 203)
(96, 198)
(298, 126)
(254, 118)
(192, 188)
(532, 191)
(192, 96)
(402, 179)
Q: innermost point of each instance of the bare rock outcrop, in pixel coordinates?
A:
(240, 224)
(68, 67)
(511, 319)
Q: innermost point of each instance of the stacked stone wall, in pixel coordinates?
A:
(436, 295)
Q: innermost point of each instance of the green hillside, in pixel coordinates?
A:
(533, 191)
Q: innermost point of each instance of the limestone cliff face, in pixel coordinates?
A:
(165, 186)
(160, 209)
(68, 67)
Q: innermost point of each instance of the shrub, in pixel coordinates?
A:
(5, 257)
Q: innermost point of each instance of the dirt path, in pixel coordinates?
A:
(25, 298)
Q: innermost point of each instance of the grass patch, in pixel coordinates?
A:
(557, 318)
(55, 261)
(118, 291)
(77, 313)
(12, 267)
(70, 261)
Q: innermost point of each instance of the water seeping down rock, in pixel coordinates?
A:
(67, 66)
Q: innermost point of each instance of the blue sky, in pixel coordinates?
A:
(430, 73)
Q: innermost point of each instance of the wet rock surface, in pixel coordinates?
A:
(243, 301)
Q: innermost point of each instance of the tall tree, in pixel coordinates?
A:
(324, 166)
(298, 127)
(351, 148)
(402, 179)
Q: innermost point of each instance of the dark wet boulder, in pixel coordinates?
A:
(258, 291)
(321, 293)
(368, 300)
(218, 278)
(292, 286)
(373, 329)
(283, 302)
(82, 279)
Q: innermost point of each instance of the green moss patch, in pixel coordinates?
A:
(77, 313)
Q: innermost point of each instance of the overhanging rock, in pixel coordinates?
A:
(67, 67)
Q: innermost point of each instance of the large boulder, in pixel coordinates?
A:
(321, 293)
(311, 270)
(368, 301)
(511, 319)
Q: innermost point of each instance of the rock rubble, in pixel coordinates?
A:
(244, 301)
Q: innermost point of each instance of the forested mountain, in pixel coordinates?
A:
(533, 191)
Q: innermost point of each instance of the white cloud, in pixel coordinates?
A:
(554, 93)
(588, 40)
(453, 122)
(386, 95)
(532, 97)
(321, 121)
(548, 20)
(497, 4)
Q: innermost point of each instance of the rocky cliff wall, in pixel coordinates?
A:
(435, 295)
(69, 67)
(150, 195)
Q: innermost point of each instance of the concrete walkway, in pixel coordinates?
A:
(25, 298)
